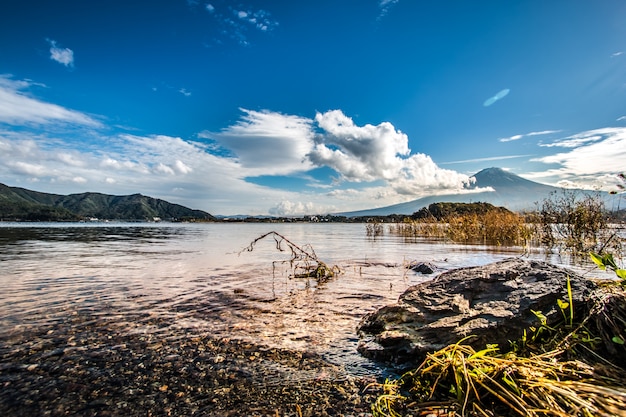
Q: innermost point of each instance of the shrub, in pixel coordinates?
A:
(576, 221)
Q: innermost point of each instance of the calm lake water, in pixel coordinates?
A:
(195, 276)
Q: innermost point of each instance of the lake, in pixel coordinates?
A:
(195, 277)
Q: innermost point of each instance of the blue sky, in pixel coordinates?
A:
(303, 107)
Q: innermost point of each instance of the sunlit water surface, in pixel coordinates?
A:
(196, 278)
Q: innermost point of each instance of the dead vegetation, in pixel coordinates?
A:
(303, 262)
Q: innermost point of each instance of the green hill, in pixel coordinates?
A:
(27, 205)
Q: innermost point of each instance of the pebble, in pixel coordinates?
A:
(91, 367)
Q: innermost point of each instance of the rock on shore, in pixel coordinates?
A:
(493, 303)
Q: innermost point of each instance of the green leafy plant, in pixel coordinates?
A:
(605, 262)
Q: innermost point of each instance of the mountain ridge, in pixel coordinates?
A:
(22, 204)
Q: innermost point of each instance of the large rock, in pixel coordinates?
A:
(494, 303)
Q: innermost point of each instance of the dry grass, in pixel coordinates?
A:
(561, 373)
(488, 383)
(493, 227)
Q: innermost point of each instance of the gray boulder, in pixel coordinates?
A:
(493, 303)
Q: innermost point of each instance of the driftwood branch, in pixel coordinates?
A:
(303, 262)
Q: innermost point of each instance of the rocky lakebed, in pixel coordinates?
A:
(88, 364)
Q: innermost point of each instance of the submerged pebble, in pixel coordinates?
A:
(94, 368)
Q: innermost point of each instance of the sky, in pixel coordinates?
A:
(309, 107)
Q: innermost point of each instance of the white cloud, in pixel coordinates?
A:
(582, 138)
(259, 19)
(369, 153)
(619, 119)
(213, 175)
(127, 166)
(491, 158)
(518, 137)
(543, 132)
(163, 169)
(159, 166)
(71, 159)
(184, 92)
(384, 6)
(237, 24)
(181, 167)
(511, 138)
(63, 56)
(268, 143)
(359, 153)
(289, 208)
(17, 108)
(592, 155)
(344, 193)
(22, 167)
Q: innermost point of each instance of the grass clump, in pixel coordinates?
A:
(459, 380)
(574, 368)
(467, 223)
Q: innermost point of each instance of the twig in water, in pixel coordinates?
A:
(304, 262)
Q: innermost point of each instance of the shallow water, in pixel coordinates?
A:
(196, 277)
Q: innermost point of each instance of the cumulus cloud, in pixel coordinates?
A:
(369, 153)
(289, 208)
(359, 153)
(63, 56)
(17, 108)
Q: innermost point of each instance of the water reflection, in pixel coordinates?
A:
(194, 277)
(84, 232)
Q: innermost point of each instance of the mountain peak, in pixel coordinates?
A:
(498, 178)
(498, 187)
